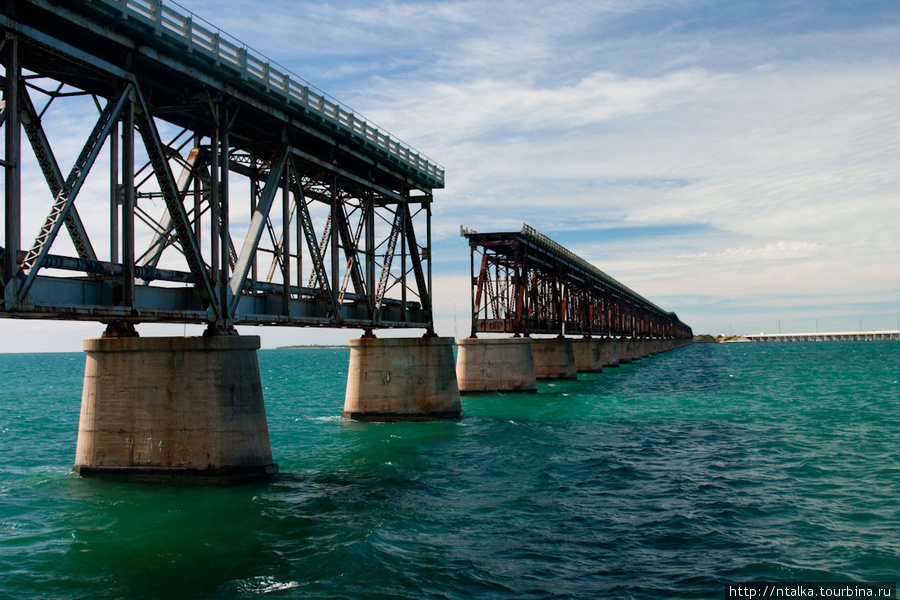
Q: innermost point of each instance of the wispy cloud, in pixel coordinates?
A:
(750, 151)
(770, 133)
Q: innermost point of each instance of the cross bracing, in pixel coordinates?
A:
(225, 203)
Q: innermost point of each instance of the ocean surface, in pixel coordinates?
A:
(672, 477)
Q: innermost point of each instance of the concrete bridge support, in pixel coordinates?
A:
(554, 358)
(402, 379)
(609, 352)
(637, 352)
(625, 350)
(588, 358)
(638, 348)
(644, 348)
(161, 408)
(495, 365)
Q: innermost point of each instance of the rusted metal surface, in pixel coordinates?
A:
(524, 283)
(231, 181)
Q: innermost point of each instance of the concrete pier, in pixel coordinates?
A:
(554, 358)
(401, 379)
(495, 365)
(173, 408)
(643, 348)
(609, 352)
(588, 358)
(624, 348)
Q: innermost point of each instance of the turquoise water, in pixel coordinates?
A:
(670, 477)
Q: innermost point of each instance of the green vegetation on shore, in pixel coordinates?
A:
(705, 338)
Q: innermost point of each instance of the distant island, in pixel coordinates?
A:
(705, 338)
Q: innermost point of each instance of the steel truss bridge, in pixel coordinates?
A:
(211, 185)
(527, 283)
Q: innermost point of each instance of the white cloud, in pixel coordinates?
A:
(753, 151)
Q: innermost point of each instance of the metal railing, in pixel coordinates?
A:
(253, 67)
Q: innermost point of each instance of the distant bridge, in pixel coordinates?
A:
(524, 283)
(853, 336)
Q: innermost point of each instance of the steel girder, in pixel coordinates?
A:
(189, 168)
(526, 283)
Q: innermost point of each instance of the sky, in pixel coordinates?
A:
(736, 162)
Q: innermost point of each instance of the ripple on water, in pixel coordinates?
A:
(671, 477)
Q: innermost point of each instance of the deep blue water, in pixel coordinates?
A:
(671, 477)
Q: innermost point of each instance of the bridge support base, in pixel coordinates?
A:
(625, 349)
(609, 352)
(485, 365)
(642, 348)
(402, 379)
(173, 408)
(588, 358)
(554, 359)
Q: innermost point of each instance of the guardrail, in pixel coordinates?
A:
(225, 50)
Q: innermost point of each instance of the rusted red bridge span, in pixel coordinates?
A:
(527, 283)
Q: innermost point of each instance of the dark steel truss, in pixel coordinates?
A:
(226, 205)
(524, 283)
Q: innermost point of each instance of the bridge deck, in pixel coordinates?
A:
(188, 56)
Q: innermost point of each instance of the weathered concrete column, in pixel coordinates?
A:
(624, 348)
(609, 352)
(588, 358)
(172, 407)
(401, 379)
(636, 349)
(643, 348)
(554, 358)
(633, 351)
(495, 365)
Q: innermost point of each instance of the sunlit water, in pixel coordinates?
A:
(670, 477)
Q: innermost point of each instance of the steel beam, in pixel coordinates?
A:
(12, 160)
(251, 241)
(157, 154)
(66, 197)
(31, 123)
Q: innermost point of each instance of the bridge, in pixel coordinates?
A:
(213, 186)
(846, 336)
(524, 283)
